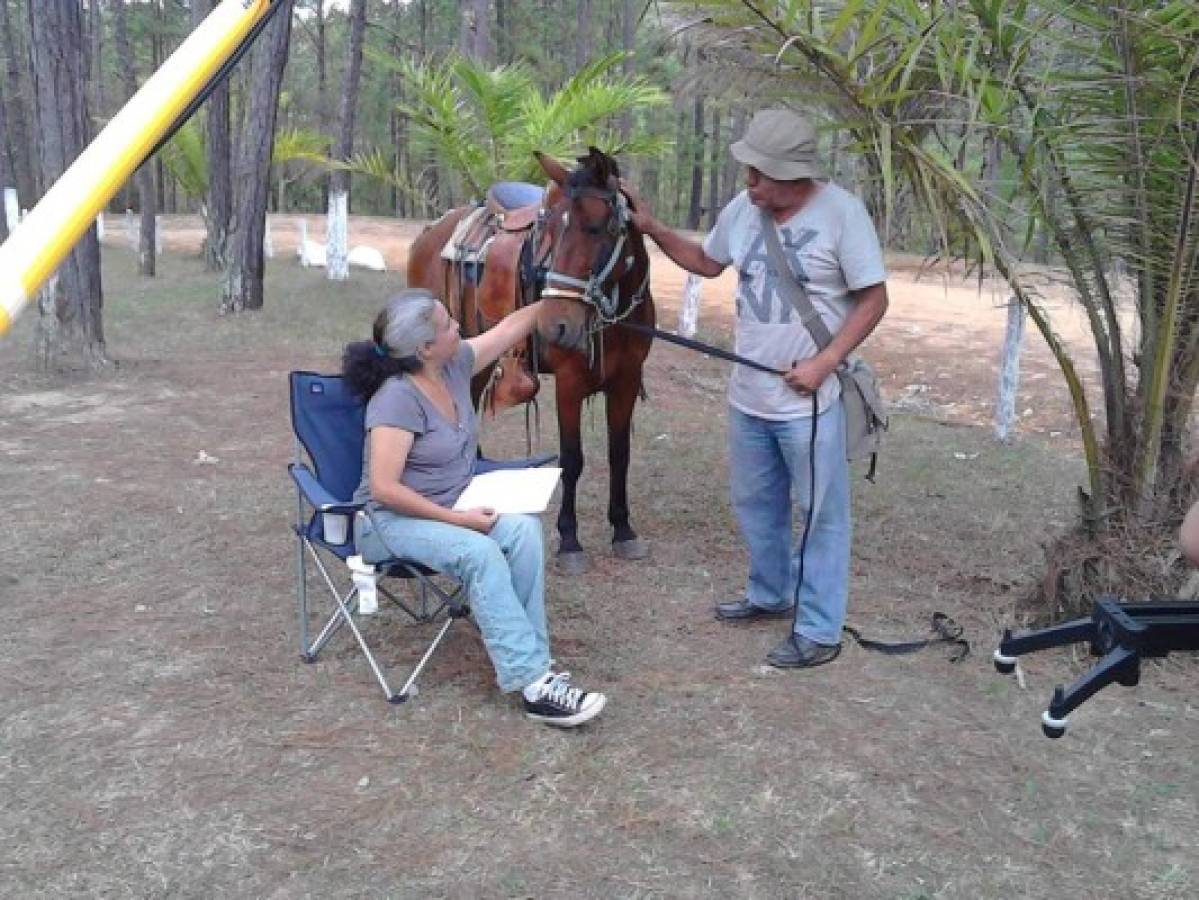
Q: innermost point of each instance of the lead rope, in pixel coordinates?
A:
(945, 629)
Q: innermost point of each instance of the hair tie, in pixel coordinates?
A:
(380, 351)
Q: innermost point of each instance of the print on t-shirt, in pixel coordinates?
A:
(760, 296)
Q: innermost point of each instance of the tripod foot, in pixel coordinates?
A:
(1004, 665)
(1051, 727)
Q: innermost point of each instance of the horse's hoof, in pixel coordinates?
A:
(635, 548)
(572, 562)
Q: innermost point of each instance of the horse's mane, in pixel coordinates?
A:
(595, 170)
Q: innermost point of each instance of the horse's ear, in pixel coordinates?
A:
(555, 170)
(602, 162)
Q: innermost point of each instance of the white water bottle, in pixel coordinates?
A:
(365, 581)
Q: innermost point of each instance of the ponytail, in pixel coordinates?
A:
(365, 369)
(402, 327)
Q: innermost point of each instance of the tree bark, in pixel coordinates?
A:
(70, 332)
(714, 168)
(628, 43)
(97, 57)
(503, 40)
(695, 207)
(243, 281)
(6, 165)
(147, 195)
(218, 203)
(339, 183)
(24, 154)
(474, 38)
(397, 201)
(732, 168)
(583, 31)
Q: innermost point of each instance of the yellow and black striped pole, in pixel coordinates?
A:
(42, 240)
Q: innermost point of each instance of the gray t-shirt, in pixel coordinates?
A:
(442, 457)
(832, 248)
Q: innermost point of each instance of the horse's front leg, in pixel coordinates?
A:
(571, 559)
(621, 397)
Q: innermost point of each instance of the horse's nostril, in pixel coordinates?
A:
(561, 332)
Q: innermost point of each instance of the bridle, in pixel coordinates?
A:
(604, 303)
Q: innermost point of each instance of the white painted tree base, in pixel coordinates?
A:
(337, 236)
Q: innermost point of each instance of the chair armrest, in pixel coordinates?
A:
(483, 464)
(315, 493)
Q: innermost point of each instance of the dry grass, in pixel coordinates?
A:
(160, 737)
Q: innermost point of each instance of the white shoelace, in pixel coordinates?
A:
(558, 690)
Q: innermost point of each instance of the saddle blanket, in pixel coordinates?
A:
(464, 245)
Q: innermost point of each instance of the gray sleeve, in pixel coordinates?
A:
(859, 251)
(717, 245)
(463, 362)
(395, 405)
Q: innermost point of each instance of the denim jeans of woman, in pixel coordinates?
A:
(769, 477)
(504, 575)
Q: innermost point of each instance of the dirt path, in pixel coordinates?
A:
(938, 349)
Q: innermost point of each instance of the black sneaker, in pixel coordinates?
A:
(560, 703)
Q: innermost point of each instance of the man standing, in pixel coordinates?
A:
(779, 451)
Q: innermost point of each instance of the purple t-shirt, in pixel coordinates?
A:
(442, 457)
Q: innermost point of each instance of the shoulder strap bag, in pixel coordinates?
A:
(865, 412)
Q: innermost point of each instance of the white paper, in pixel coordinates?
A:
(525, 490)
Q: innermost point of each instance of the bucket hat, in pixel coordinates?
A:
(780, 144)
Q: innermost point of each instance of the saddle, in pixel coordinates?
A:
(510, 207)
(515, 204)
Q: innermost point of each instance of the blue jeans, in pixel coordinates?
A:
(504, 575)
(769, 477)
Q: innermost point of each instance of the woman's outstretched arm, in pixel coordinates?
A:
(511, 330)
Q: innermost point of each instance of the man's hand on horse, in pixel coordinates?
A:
(639, 210)
(807, 375)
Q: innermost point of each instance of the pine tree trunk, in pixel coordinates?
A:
(6, 166)
(337, 266)
(218, 201)
(484, 52)
(24, 153)
(682, 143)
(583, 29)
(244, 272)
(628, 43)
(695, 206)
(70, 332)
(474, 36)
(97, 58)
(147, 198)
(503, 40)
(732, 168)
(714, 168)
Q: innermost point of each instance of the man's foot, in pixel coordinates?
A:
(557, 702)
(798, 652)
(742, 610)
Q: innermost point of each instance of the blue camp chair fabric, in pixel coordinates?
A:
(327, 420)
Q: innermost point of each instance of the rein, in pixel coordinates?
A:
(699, 347)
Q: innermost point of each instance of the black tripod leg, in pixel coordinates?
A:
(1120, 665)
(1055, 636)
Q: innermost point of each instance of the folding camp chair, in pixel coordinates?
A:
(328, 423)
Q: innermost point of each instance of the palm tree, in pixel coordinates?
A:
(1096, 108)
(483, 124)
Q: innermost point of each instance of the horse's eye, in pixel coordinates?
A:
(593, 230)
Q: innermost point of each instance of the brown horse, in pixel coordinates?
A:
(577, 251)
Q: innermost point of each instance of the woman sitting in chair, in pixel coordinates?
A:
(422, 436)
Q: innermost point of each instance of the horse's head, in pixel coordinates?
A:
(590, 256)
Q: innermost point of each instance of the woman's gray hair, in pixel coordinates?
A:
(406, 324)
